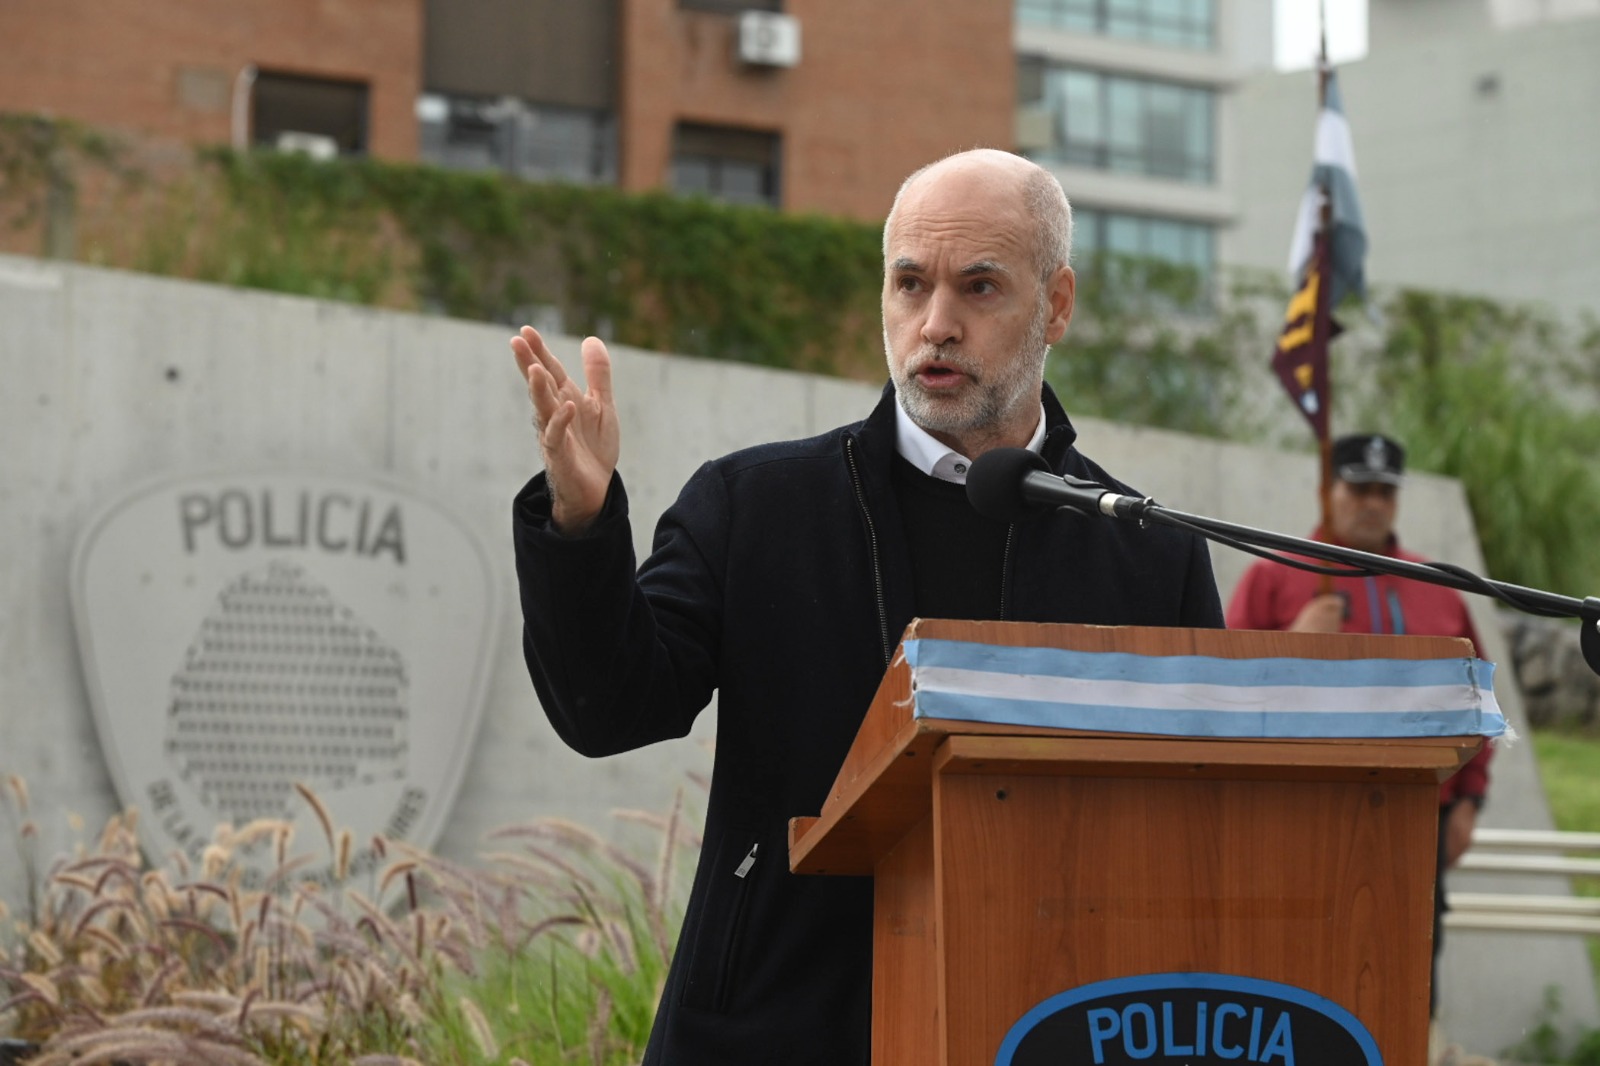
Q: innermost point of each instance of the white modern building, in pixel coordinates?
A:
(1476, 144)
(1132, 104)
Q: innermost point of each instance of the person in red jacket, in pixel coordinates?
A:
(1362, 505)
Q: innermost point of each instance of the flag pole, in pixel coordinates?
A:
(1325, 228)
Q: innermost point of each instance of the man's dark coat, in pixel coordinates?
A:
(780, 580)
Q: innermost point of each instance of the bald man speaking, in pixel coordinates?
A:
(784, 574)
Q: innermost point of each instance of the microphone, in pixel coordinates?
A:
(1007, 483)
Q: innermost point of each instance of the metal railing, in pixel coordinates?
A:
(1531, 852)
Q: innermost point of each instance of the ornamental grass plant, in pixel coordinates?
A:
(552, 949)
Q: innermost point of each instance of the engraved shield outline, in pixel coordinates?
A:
(441, 609)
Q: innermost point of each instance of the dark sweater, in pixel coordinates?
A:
(957, 555)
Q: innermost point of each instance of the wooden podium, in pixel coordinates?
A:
(1016, 863)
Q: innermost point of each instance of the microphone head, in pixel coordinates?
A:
(994, 482)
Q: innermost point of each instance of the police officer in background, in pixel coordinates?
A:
(1369, 469)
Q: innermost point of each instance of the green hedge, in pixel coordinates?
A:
(652, 270)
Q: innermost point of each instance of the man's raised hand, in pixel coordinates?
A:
(578, 432)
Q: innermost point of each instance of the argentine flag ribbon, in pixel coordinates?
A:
(1200, 696)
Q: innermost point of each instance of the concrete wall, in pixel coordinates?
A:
(111, 378)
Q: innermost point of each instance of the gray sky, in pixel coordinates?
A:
(1294, 31)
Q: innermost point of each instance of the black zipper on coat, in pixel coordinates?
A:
(872, 542)
(1005, 568)
(735, 931)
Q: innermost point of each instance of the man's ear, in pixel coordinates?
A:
(1061, 290)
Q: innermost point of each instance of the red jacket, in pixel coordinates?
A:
(1269, 595)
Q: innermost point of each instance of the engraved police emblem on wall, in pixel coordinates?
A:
(242, 634)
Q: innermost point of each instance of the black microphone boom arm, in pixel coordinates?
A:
(1006, 483)
(1531, 601)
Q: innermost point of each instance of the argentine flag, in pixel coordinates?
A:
(1334, 167)
(1202, 696)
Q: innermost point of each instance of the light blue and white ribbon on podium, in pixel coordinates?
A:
(1201, 696)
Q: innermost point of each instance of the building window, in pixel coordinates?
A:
(736, 166)
(537, 142)
(320, 116)
(1111, 122)
(1180, 23)
(1190, 245)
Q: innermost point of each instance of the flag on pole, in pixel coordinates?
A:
(1301, 357)
(1334, 170)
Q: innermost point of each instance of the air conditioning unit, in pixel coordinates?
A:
(769, 39)
(318, 146)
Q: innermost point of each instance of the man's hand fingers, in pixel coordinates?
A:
(524, 353)
(542, 391)
(597, 370)
(531, 350)
(577, 430)
(542, 355)
(554, 433)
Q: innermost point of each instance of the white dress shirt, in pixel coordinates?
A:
(936, 459)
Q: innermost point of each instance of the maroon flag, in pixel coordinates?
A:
(1301, 358)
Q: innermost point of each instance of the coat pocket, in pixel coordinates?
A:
(718, 944)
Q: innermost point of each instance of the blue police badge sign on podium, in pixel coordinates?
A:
(1188, 1019)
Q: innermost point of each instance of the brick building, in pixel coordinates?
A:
(807, 105)
(820, 106)
(1129, 101)
(641, 93)
(346, 72)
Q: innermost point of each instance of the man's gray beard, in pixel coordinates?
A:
(994, 394)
